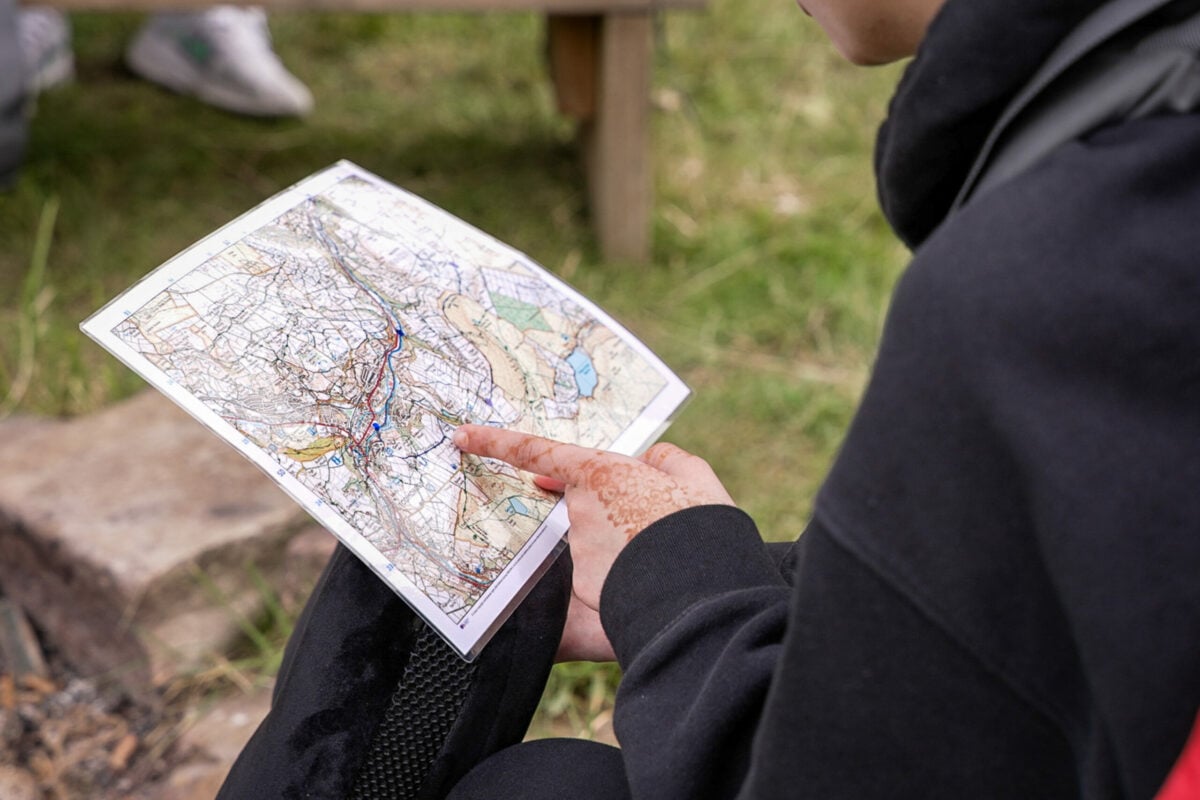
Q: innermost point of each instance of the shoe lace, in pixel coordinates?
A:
(244, 25)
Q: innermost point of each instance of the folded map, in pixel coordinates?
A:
(338, 333)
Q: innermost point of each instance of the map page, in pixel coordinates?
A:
(338, 333)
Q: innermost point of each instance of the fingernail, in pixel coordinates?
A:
(460, 439)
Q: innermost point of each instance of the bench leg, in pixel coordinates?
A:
(602, 68)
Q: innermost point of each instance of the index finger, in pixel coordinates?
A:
(560, 460)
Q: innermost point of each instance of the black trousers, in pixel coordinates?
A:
(370, 704)
(12, 95)
(547, 769)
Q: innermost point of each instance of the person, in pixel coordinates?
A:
(12, 97)
(997, 594)
(222, 55)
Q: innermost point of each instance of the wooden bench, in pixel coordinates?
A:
(600, 56)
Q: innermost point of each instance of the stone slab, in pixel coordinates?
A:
(221, 729)
(20, 650)
(135, 538)
(212, 736)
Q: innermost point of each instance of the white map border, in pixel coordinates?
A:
(469, 635)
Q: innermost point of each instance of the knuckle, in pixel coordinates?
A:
(663, 452)
(526, 450)
(659, 452)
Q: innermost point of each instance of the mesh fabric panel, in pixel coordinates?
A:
(422, 711)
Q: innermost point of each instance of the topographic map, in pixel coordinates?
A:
(340, 332)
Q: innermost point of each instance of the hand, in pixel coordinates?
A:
(610, 498)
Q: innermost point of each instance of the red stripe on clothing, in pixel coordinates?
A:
(1184, 781)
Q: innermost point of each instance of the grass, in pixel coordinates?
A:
(34, 301)
(771, 266)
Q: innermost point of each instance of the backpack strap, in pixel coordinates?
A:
(1130, 59)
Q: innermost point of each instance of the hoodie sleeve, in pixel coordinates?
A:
(737, 685)
(696, 609)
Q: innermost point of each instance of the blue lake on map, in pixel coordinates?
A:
(585, 373)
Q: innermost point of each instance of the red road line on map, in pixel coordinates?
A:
(371, 395)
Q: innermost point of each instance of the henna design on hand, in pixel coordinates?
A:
(631, 498)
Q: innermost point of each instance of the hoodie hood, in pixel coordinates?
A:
(976, 56)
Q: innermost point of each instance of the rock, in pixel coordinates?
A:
(20, 651)
(192, 782)
(221, 729)
(17, 784)
(11, 729)
(134, 538)
(213, 735)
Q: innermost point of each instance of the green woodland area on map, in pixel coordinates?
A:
(519, 313)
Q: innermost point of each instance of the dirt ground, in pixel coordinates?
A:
(69, 738)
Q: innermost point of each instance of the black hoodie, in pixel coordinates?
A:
(998, 595)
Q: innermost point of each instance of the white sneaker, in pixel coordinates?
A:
(221, 55)
(44, 35)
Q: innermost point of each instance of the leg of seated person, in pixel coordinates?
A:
(12, 96)
(548, 769)
(371, 704)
